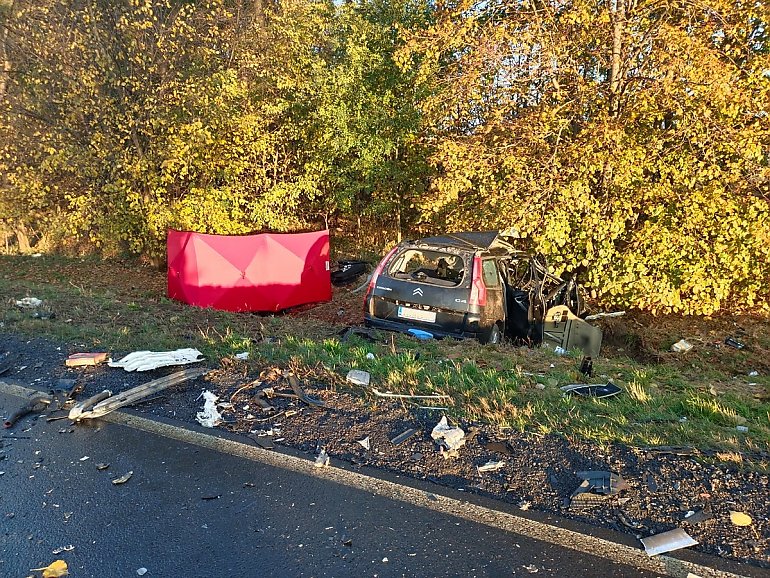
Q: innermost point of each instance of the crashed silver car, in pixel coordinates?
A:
(477, 285)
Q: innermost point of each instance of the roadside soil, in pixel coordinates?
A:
(539, 472)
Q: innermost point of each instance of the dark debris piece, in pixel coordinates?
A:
(499, 448)
(732, 342)
(402, 437)
(597, 390)
(596, 487)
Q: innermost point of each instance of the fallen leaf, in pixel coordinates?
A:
(53, 570)
(740, 519)
(123, 479)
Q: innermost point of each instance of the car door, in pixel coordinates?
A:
(495, 307)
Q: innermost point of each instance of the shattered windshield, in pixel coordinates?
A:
(436, 267)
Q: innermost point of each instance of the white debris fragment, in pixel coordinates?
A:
(322, 460)
(210, 416)
(370, 355)
(490, 466)
(69, 548)
(142, 571)
(448, 437)
(358, 377)
(364, 443)
(29, 303)
(742, 428)
(681, 346)
(84, 458)
(243, 356)
(753, 373)
(147, 360)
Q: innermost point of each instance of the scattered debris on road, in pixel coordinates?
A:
(58, 551)
(80, 359)
(667, 541)
(29, 303)
(596, 486)
(322, 460)
(450, 439)
(402, 437)
(681, 346)
(598, 390)
(490, 466)
(34, 404)
(123, 479)
(358, 377)
(104, 403)
(364, 443)
(147, 360)
(210, 416)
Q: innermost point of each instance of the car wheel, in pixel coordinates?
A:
(492, 336)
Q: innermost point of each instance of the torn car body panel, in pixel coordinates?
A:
(91, 408)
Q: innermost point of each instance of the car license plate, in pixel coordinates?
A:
(417, 314)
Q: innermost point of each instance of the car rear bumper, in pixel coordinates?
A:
(403, 327)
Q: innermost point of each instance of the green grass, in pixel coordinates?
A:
(121, 307)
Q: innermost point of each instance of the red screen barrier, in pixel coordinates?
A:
(264, 272)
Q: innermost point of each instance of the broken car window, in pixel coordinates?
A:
(435, 267)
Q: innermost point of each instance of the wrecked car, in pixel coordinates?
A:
(477, 285)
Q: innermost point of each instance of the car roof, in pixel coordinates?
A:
(471, 240)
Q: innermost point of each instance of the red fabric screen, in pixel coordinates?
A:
(264, 272)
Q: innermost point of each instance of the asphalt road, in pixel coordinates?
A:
(190, 511)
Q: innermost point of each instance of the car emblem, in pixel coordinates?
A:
(417, 291)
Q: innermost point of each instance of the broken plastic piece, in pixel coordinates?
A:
(123, 479)
(667, 541)
(78, 359)
(681, 346)
(698, 516)
(37, 403)
(402, 437)
(364, 443)
(147, 360)
(87, 405)
(448, 437)
(358, 377)
(210, 416)
(587, 366)
(732, 342)
(420, 334)
(596, 486)
(29, 302)
(322, 460)
(490, 466)
(598, 390)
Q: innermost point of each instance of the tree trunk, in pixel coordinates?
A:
(6, 10)
(22, 238)
(618, 17)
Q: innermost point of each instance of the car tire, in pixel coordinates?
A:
(493, 336)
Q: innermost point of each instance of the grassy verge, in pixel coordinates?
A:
(677, 401)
